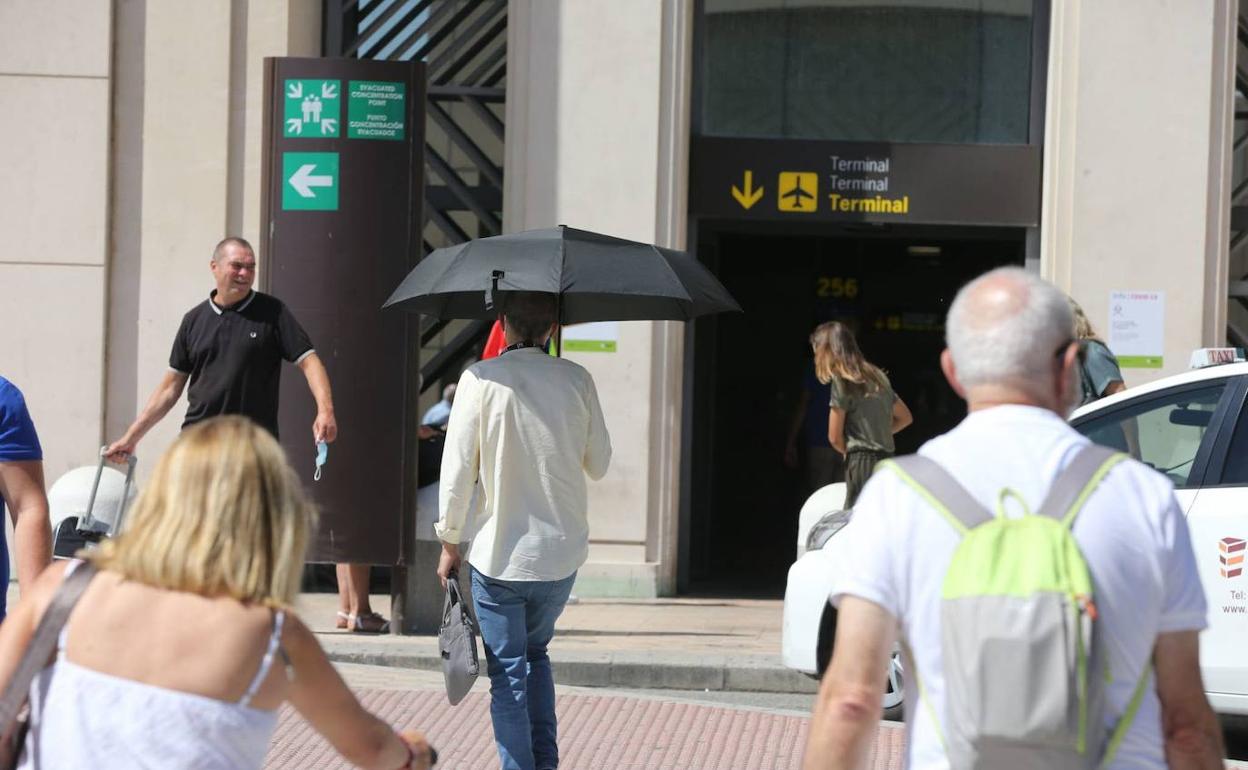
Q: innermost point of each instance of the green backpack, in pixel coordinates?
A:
(1024, 660)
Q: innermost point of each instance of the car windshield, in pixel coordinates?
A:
(1164, 432)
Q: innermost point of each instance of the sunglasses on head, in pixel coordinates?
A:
(1061, 350)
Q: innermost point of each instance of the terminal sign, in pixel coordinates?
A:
(865, 181)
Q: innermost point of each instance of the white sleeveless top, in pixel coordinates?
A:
(84, 718)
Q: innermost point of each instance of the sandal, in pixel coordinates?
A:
(342, 621)
(368, 623)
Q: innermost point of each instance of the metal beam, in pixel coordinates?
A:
(452, 180)
(453, 232)
(1239, 218)
(498, 57)
(461, 139)
(491, 121)
(382, 19)
(456, 350)
(423, 48)
(453, 93)
(432, 330)
(438, 74)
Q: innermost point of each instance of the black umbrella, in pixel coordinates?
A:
(598, 278)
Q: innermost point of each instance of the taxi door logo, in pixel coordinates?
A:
(799, 191)
(1231, 555)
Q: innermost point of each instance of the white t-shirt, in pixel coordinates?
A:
(897, 549)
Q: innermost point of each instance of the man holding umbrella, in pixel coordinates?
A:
(528, 428)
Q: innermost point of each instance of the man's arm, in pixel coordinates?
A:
(847, 709)
(1193, 738)
(598, 448)
(461, 462)
(21, 486)
(324, 427)
(162, 400)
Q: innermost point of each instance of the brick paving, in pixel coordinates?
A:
(596, 732)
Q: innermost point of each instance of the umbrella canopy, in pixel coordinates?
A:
(599, 278)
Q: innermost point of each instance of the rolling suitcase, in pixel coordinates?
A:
(74, 534)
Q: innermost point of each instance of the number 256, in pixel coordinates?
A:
(837, 288)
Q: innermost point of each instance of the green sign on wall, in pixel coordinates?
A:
(313, 108)
(310, 181)
(375, 110)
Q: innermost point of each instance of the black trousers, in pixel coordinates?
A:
(859, 465)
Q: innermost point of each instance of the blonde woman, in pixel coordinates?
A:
(864, 413)
(184, 644)
(1099, 374)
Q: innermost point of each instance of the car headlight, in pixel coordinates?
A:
(825, 528)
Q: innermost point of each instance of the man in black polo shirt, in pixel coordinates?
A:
(231, 348)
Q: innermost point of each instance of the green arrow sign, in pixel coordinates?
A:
(313, 109)
(310, 181)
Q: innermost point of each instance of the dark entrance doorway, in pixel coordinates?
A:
(892, 285)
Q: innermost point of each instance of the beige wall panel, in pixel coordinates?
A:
(52, 316)
(608, 121)
(184, 182)
(54, 152)
(55, 37)
(608, 182)
(1128, 168)
(617, 503)
(617, 552)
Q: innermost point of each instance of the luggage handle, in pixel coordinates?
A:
(87, 522)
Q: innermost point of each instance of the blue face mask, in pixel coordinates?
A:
(322, 454)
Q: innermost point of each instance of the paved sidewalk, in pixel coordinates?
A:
(683, 644)
(598, 728)
(595, 732)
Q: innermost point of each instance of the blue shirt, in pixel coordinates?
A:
(438, 415)
(18, 443)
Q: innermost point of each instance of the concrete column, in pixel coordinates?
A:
(597, 130)
(55, 81)
(1136, 179)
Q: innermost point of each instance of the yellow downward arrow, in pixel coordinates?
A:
(750, 195)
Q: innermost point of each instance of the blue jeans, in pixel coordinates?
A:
(517, 620)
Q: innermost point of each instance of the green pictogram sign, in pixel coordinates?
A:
(375, 110)
(310, 181)
(313, 108)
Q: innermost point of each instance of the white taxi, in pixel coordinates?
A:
(1192, 427)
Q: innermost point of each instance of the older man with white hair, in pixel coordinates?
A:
(1012, 355)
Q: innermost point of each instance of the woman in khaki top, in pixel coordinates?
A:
(865, 412)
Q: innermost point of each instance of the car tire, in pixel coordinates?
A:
(895, 689)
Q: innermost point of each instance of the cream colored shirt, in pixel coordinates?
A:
(529, 428)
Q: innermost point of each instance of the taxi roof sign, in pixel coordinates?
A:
(1205, 357)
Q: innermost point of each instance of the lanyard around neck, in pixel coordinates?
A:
(520, 346)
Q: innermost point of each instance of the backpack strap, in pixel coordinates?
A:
(1077, 481)
(942, 490)
(1128, 717)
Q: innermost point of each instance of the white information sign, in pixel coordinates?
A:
(1137, 328)
(597, 337)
